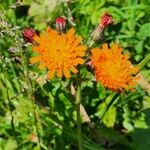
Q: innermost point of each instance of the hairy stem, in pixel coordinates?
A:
(144, 62)
(78, 100)
(10, 109)
(31, 97)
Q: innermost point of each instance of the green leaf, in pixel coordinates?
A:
(140, 138)
(139, 15)
(116, 13)
(95, 16)
(40, 26)
(87, 144)
(140, 122)
(139, 47)
(11, 144)
(110, 117)
(106, 134)
(101, 109)
(144, 62)
(27, 2)
(127, 125)
(101, 91)
(42, 12)
(144, 31)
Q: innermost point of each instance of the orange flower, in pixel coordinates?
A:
(113, 69)
(58, 52)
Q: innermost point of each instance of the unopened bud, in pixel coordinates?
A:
(28, 34)
(12, 49)
(89, 65)
(34, 138)
(60, 24)
(106, 19)
(97, 34)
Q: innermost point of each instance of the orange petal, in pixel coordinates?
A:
(105, 46)
(78, 40)
(51, 31)
(50, 74)
(59, 73)
(35, 59)
(114, 46)
(70, 32)
(66, 73)
(42, 65)
(37, 39)
(35, 49)
(81, 54)
(80, 61)
(96, 51)
(81, 48)
(73, 69)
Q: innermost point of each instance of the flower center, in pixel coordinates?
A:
(112, 70)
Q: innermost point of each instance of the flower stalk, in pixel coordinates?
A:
(144, 62)
(31, 97)
(78, 101)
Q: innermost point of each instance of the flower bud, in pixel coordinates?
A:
(28, 34)
(106, 19)
(12, 49)
(34, 138)
(89, 65)
(60, 24)
(97, 34)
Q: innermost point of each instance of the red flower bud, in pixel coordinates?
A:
(28, 34)
(34, 138)
(60, 24)
(106, 19)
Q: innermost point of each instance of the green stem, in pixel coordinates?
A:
(31, 96)
(14, 132)
(144, 62)
(78, 99)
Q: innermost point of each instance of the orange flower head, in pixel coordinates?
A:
(113, 69)
(58, 52)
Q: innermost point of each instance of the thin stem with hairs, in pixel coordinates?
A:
(78, 100)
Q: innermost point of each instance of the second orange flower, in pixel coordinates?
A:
(113, 69)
